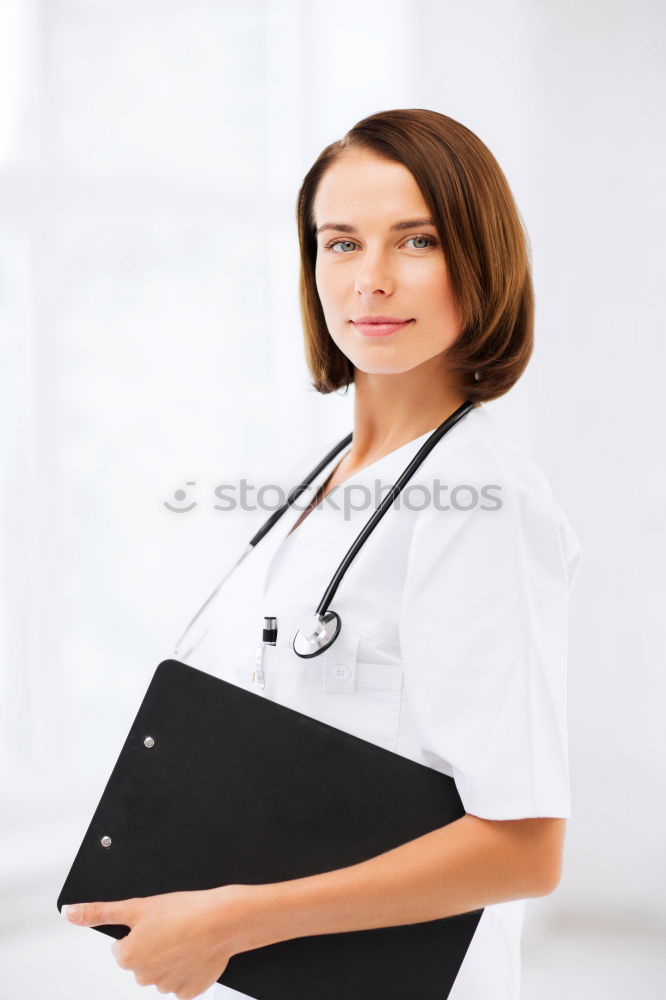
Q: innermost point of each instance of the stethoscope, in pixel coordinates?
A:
(320, 631)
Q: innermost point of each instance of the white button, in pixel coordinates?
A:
(341, 672)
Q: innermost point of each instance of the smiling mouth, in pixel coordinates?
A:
(374, 328)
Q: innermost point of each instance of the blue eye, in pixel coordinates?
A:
(330, 246)
(426, 238)
(351, 243)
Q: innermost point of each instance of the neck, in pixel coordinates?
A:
(391, 410)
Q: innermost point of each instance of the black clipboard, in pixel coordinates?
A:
(216, 784)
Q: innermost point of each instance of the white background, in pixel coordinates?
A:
(150, 156)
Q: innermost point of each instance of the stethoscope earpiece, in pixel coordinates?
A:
(317, 634)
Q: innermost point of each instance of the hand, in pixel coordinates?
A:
(180, 942)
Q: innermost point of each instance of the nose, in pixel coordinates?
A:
(374, 274)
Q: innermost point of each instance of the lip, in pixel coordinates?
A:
(379, 326)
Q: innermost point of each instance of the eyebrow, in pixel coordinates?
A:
(343, 227)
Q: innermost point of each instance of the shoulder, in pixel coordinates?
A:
(480, 446)
(479, 466)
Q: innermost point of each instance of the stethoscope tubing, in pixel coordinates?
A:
(386, 503)
(297, 490)
(266, 527)
(362, 536)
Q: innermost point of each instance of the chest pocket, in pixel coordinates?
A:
(354, 685)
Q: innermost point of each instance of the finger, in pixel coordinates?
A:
(121, 911)
(118, 949)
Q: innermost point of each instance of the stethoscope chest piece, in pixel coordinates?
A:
(322, 629)
(317, 634)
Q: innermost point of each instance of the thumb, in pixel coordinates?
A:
(94, 914)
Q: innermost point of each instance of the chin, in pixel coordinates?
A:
(387, 368)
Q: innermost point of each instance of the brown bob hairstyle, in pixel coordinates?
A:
(483, 239)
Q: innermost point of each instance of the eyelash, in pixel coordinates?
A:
(432, 241)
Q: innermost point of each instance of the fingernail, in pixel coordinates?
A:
(71, 911)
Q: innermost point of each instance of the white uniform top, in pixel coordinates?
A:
(453, 646)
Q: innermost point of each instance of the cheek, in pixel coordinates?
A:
(325, 280)
(333, 291)
(435, 281)
(436, 290)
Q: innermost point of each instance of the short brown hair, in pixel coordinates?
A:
(483, 238)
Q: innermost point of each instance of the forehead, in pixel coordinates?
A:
(361, 186)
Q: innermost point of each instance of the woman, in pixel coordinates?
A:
(415, 286)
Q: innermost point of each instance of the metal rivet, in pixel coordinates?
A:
(105, 841)
(149, 742)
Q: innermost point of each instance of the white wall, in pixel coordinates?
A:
(150, 155)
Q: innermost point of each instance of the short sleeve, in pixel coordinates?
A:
(483, 635)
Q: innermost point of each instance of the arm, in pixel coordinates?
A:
(182, 941)
(462, 866)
